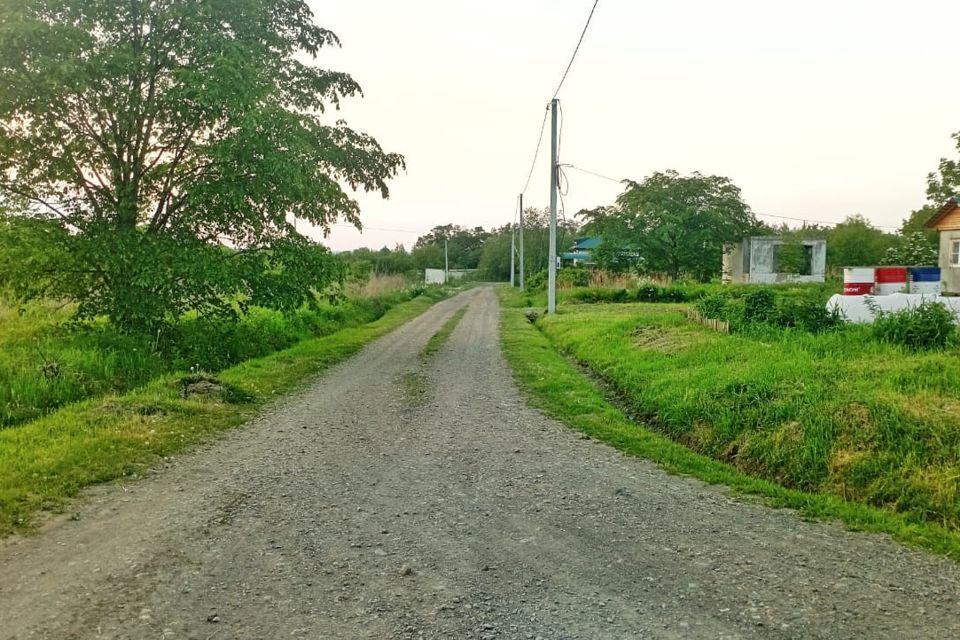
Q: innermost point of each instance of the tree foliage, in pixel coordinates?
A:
(856, 242)
(165, 149)
(916, 223)
(463, 247)
(381, 261)
(944, 183)
(673, 224)
(912, 249)
(494, 262)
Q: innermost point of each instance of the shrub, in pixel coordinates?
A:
(655, 293)
(536, 281)
(713, 307)
(927, 326)
(573, 277)
(759, 307)
(808, 313)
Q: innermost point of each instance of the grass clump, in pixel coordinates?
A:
(929, 325)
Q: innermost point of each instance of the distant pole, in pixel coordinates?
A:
(513, 255)
(446, 263)
(522, 266)
(554, 162)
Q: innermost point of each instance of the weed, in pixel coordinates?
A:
(929, 325)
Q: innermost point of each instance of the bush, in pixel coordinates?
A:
(573, 277)
(537, 281)
(927, 326)
(759, 307)
(713, 307)
(646, 293)
(808, 314)
(654, 293)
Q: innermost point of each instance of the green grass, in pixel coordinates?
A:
(666, 382)
(415, 384)
(46, 364)
(440, 338)
(45, 462)
(537, 298)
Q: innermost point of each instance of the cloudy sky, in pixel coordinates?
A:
(816, 110)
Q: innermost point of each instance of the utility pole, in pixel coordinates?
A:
(446, 263)
(522, 266)
(513, 256)
(554, 162)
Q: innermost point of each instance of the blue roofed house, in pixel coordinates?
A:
(582, 251)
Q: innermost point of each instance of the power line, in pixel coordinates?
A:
(593, 173)
(536, 154)
(832, 224)
(367, 227)
(763, 215)
(577, 50)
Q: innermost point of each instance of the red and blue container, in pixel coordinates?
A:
(890, 280)
(925, 280)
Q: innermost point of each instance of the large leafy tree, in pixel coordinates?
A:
(673, 224)
(166, 149)
(944, 183)
(856, 242)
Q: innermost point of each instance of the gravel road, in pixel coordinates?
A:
(367, 507)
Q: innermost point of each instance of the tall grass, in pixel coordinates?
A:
(46, 364)
(378, 285)
(837, 413)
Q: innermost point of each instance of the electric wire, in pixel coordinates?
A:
(593, 173)
(536, 154)
(762, 215)
(576, 50)
(826, 222)
(367, 227)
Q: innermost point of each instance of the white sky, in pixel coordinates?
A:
(816, 110)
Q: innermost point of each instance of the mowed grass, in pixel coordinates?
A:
(561, 390)
(45, 462)
(46, 364)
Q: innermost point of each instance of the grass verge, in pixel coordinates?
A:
(415, 385)
(45, 462)
(47, 363)
(440, 338)
(560, 390)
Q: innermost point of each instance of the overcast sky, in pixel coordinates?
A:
(816, 110)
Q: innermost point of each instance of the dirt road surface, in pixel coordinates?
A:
(369, 507)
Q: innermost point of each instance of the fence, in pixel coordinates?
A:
(710, 323)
